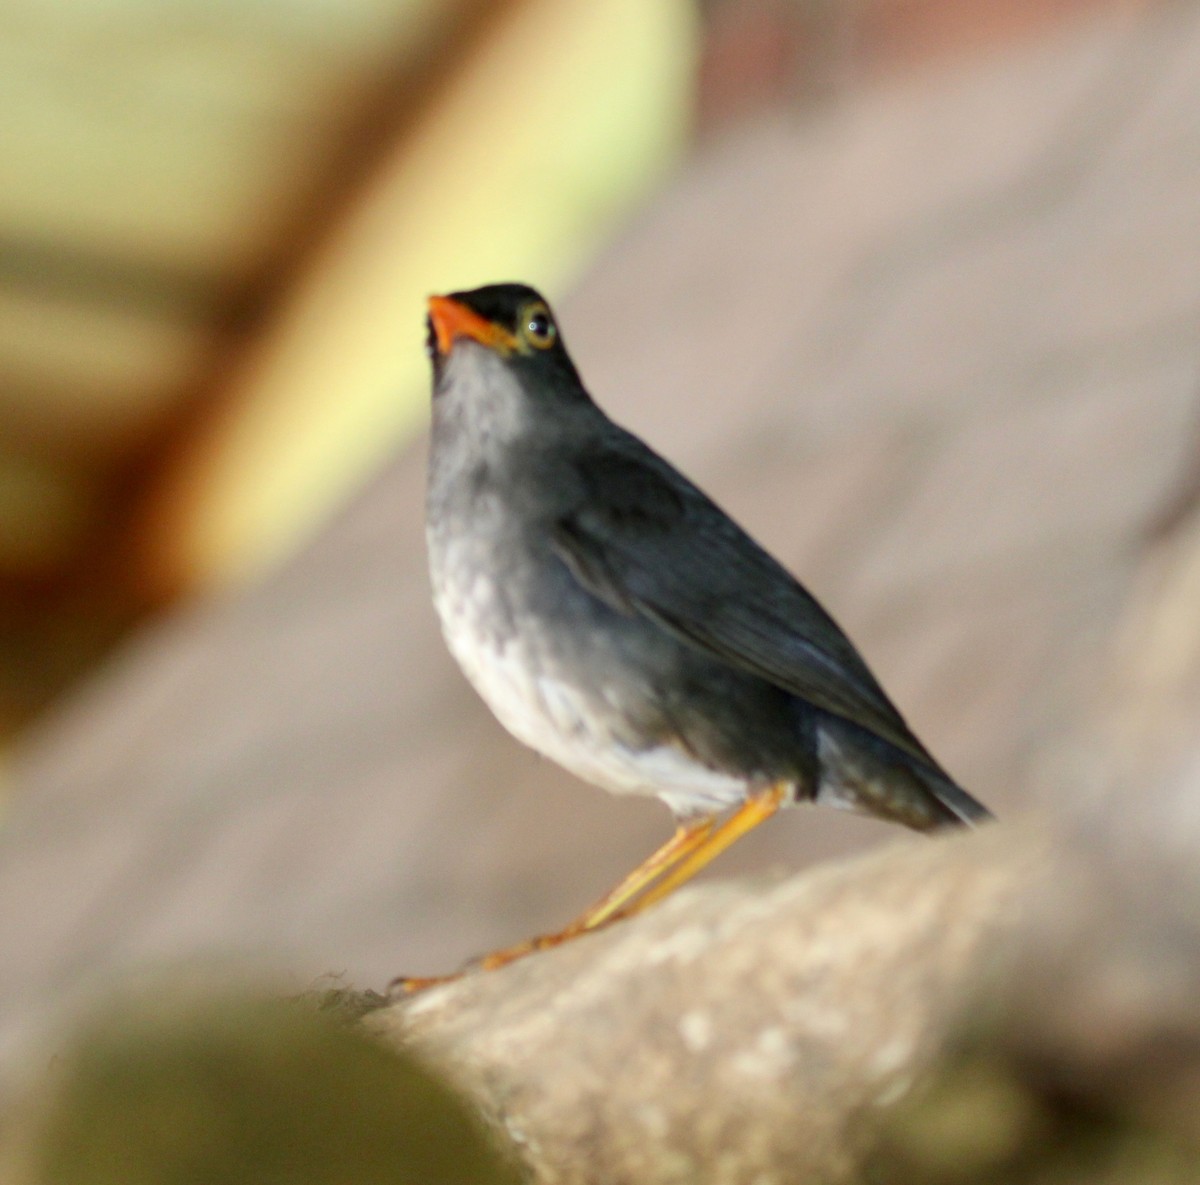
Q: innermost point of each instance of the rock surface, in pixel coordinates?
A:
(740, 1032)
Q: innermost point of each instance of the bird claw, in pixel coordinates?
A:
(409, 985)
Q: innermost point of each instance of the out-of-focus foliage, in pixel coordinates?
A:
(992, 1119)
(232, 1089)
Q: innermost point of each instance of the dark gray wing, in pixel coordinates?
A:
(647, 541)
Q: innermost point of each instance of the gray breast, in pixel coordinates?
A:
(561, 672)
(528, 642)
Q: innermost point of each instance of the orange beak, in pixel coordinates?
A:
(452, 320)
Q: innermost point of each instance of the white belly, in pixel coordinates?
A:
(551, 716)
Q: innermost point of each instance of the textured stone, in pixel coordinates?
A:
(740, 1032)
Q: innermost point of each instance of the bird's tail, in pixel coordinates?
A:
(958, 808)
(862, 772)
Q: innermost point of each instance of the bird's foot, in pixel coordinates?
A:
(688, 851)
(410, 985)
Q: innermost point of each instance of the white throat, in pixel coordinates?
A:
(480, 406)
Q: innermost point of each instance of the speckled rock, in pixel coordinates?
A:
(741, 1032)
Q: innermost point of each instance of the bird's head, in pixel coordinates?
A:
(514, 324)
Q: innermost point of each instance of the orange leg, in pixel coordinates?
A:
(686, 840)
(749, 815)
(689, 850)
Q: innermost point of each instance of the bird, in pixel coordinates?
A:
(616, 620)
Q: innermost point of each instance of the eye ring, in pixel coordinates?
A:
(536, 326)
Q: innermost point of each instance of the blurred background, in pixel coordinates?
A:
(217, 228)
(911, 285)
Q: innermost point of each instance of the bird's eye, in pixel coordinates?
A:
(537, 326)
